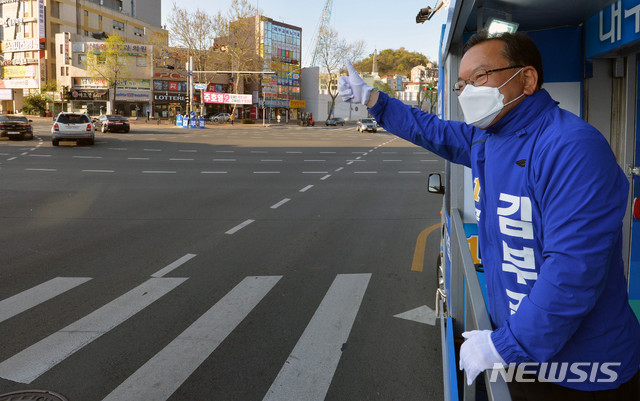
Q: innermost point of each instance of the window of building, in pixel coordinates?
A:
(100, 18)
(62, 71)
(86, 33)
(86, 13)
(82, 59)
(118, 25)
(61, 48)
(141, 61)
(138, 31)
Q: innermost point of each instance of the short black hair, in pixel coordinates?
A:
(519, 49)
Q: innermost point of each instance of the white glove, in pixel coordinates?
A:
(353, 88)
(478, 353)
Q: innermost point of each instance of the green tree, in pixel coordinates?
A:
(109, 64)
(392, 62)
(35, 104)
(384, 87)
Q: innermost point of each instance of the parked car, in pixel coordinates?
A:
(335, 121)
(15, 127)
(367, 124)
(221, 118)
(72, 127)
(110, 123)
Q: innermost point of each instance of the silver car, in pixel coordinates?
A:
(367, 124)
(72, 127)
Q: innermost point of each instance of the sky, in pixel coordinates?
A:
(381, 24)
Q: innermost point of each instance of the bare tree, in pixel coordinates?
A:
(238, 31)
(109, 63)
(334, 51)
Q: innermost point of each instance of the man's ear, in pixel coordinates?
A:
(530, 79)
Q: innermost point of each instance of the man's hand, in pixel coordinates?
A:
(478, 353)
(353, 88)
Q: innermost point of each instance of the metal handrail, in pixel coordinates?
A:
(475, 313)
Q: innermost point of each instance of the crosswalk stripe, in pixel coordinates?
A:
(25, 300)
(307, 373)
(163, 374)
(29, 364)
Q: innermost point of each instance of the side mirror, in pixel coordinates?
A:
(30, 121)
(435, 184)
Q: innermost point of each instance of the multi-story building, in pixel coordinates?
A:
(29, 28)
(92, 95)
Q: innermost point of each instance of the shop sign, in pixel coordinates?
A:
(19, 83)
(615, 25)
(297, 104)
(19, 71)
(41, 19)
(168, 98)
(86, 95)
(20, 45)
(7, 22)
(276, 103)
(226, 98)
(130, 49)
(19, 61)
(89, 83)
(6, 94)
(169, 75)
(285, 31)
(134, 83)
(133, 96)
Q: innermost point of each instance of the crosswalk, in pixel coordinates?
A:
(306, 374)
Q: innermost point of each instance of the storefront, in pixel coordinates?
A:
(169, 92)
(92, 102)
(168, 105)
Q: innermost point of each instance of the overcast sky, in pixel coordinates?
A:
(380, 24)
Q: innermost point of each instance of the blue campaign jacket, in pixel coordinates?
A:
(550, 199)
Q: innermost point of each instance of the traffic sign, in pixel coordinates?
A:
(201, 86)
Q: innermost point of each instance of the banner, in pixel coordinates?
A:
(226, 98)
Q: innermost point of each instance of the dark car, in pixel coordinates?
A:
(335, 121)
(110, 123)
(15, 127)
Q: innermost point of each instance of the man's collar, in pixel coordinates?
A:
(529, 109)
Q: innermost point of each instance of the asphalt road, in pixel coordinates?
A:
(230, 263)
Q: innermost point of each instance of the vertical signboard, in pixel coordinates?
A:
(615, 25)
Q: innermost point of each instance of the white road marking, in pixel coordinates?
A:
(13, 158)
(258, 151)
(409, 172)
(213, 172)
(29, 364)
(282, 202)
(34, 296)
(314, 172)
(152, 150)
(39, 155)
(294, 152)
(24, 153)
(225, 151)
(325, 177)
(163, 374)
(428, 160)
(315, 160)
(239, 226)
(389, 161)
(41, 169)
(327, 152)
(307, 373)
(118, 149)
(271, 160)
(158, 172)
(305, 189)
(365, 172)
(339, 169)
(180, 160)
(138, 158)
(188, 151)
(98, 171)
(87, 157)
(266, 172)
(224, 160)
(172, 266)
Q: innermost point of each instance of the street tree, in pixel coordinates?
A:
(237, 32)
(334, 51)
(110, 64)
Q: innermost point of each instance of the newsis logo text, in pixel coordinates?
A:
(555, 372)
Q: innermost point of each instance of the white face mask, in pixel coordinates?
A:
(481, 104)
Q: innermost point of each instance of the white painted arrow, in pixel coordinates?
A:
(421, 314)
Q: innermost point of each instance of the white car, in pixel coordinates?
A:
(72, 127)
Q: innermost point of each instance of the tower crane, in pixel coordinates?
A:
(322, 24)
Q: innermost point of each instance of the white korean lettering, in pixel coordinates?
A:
(615, 33)
(517, 297)
(631, 12)
(519, 262)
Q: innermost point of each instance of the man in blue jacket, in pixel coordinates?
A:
(550, 199)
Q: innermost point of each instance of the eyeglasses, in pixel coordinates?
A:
(479, 78)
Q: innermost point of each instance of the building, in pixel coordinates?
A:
(280, 48)
(29, 29)
(88, 94)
